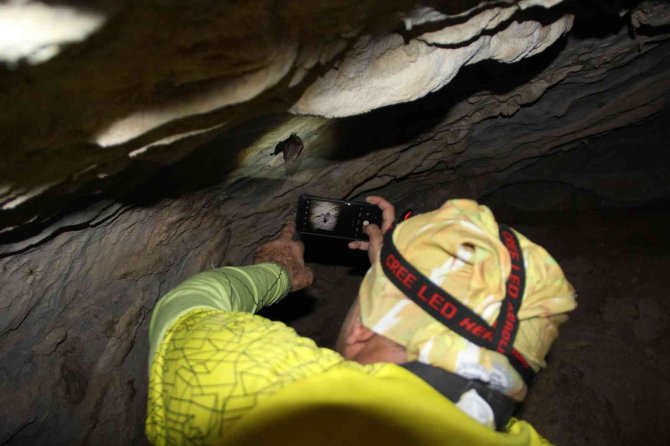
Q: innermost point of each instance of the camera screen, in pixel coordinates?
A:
(324, 215)
(335, 218)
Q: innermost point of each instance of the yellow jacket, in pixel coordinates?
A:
(221, 376)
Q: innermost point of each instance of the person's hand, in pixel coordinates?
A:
(376, 234)
(290, 254)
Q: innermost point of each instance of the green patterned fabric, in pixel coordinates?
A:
(246, 289)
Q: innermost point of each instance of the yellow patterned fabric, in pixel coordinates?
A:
(389, 407)
(213, 366)
(458, 248)
(222, 378)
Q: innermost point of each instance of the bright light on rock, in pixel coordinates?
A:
(228, 92)
(381, 71)
(36, 32)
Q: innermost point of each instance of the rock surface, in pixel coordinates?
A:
(114, 89)
(385, 70)
(88, 259)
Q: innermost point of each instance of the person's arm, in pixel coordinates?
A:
(245, 289)
(279, 267)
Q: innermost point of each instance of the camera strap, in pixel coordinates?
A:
(459, 318)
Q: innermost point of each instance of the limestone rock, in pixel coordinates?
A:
(385, 70)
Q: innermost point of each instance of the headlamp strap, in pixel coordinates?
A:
(459, 318)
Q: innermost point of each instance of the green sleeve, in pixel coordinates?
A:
(243, 289)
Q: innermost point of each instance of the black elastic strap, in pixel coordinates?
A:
(451, 312)
(507, 323)
(453, 386)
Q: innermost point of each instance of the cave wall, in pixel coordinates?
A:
(78, 289)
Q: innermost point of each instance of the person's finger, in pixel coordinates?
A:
(309, 276)
(300, 247)
(288, 231)
(373, 232)
(358, 244)
(304, 279)
(388, 210)
(376, 240)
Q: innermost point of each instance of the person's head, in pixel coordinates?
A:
(358, 343)
(458, 248)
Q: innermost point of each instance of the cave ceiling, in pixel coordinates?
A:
(117, 85)
(138, 140)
